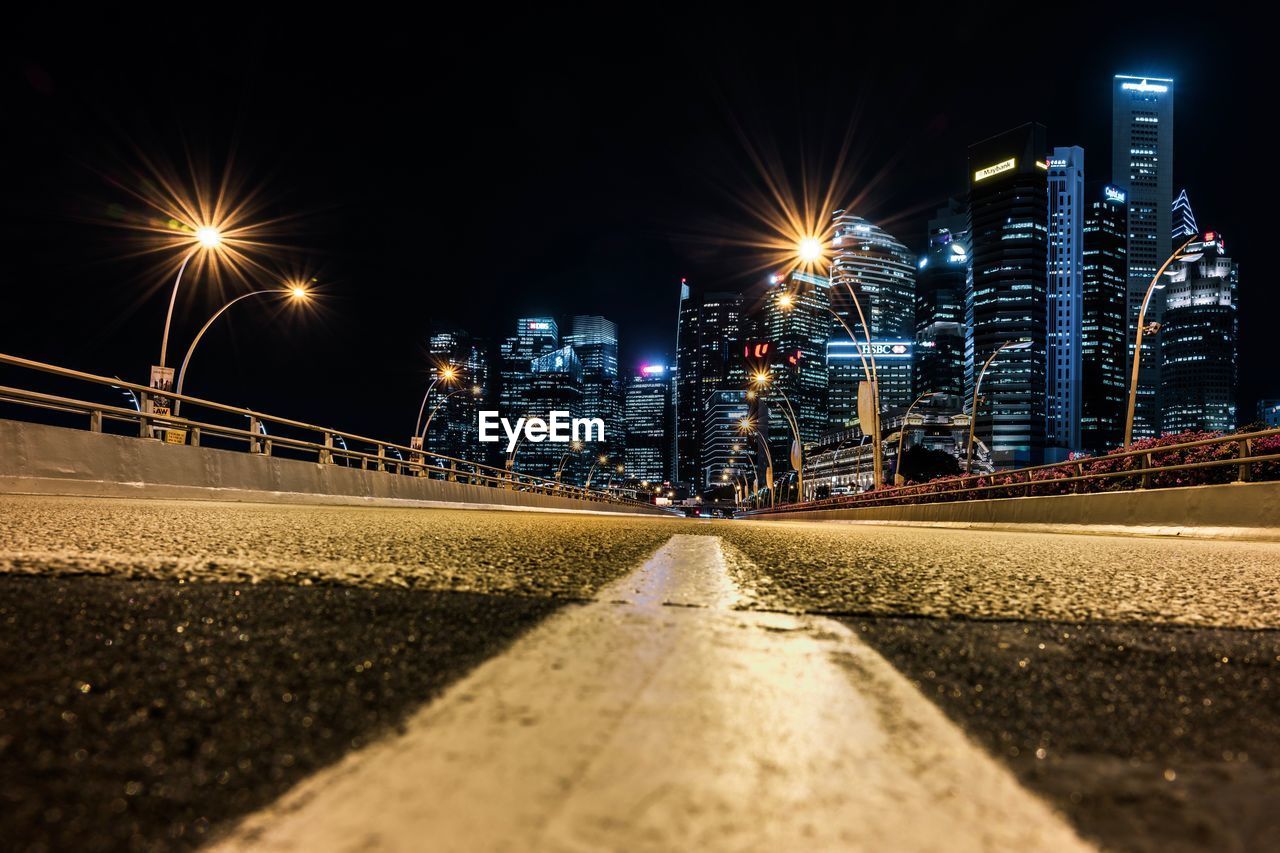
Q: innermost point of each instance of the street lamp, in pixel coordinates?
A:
(207, 238)
(294, 292)
(475, 392)
(602, 459)
(448, 375)
(898, 479)
(1156, 284)
(763, 380)
(746, 427)
(977, 386)
(574, 447)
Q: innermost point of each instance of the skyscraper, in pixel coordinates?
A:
(453, 428)
(1200, 329)
(554, 384)
(1008, 213)
(1065, 293)
(1102, 326)
(795, 320)
(595, 340)
(723, 442)
(1184, 220)
(708, 333)
(1142, 167)
(941, 279)
(881, 271)
(534, 337)
(649, 419)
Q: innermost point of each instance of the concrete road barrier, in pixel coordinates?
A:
(41, 459)
(1226, 511)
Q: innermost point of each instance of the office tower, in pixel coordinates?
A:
(1184, 221)
(453, 425)
(708, 333)
(1065, 306)
(1269, 413)
(534, 337)
(1142, 167)
(794, 319)
(725, 448)
(649, 418)
(1103, 380)
(595, 340)
(1008, 213)
(555, 383)
(881, 271)
(941, 279)
(1199, 340)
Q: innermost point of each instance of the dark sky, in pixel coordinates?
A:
(471, 171)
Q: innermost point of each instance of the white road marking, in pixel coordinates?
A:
(628, 724)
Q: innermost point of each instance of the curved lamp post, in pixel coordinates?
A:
(977, 386)
(746, 427)
(898, 479)
(448, 375)
(475, 392)
(574, 447)
(296, 293)
(1156, 284)
(762, 380)
(208, 238)
(602, 459)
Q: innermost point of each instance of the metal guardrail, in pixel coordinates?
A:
(332, 447)
(1145, 468)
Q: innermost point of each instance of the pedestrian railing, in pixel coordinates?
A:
(267, 435)
(1151, 464)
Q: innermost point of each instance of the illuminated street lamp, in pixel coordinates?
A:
(207, 239)
(763, 380)
(1156, 284)
(747, 427)
(574, 447)
(448, 375)
(294, 292)
(602, 459)
(977, 386)
(475, 392)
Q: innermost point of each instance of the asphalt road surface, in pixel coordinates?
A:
(175, 674)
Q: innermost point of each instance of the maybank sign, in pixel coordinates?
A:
(1003, 166)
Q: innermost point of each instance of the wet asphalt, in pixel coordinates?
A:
(146, 650)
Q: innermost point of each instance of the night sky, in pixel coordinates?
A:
(467, 172)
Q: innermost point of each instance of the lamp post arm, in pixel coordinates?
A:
(182, 371)
(173, 299)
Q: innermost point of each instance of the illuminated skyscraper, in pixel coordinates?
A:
(881, 272)
(649, 419)
(1102, 326)
(555, 384)
(1065, 294)
(1008, 215)
(453, 429)
(795, 321)
(1142, 167)
(941, 280)
(1184, 220)
(725, 448)
(534, 338)
(595, 340)
(1200, 335)
(708, 334)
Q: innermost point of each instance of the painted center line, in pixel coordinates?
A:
(627, 724)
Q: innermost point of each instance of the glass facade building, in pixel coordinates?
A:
(1200, 333)
(724, 446)
(1065, 307)
(1104, 383)
(941, 280)
(649, 416)
(453, 429)
(881, 271)
(794, 319)
(1008, 216)
(1142, 167)
(708, 334)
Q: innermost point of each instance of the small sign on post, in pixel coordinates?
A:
(159, 403)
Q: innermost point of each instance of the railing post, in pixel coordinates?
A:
(1079, 476)
(326, 455)
(382, 455)
(195, 436)
(253, 433)
(1145, 482)
(1244, 448)
(95, 421)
